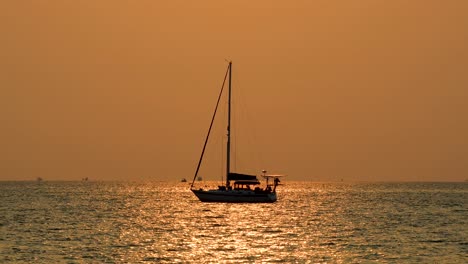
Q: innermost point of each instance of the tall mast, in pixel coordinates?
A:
(228, 149)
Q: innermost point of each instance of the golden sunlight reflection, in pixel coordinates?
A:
(314, 220)
(172, 225)
(276, 232)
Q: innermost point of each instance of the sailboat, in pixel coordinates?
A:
(239, 187)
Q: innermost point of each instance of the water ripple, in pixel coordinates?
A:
(75, 222)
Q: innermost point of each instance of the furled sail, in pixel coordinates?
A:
(241, 177)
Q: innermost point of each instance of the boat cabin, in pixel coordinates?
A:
(245, 184)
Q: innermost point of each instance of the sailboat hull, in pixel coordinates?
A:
(234, 196)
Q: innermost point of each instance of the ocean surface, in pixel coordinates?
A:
(163, 222)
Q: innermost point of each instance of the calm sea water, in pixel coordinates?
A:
(103, 222)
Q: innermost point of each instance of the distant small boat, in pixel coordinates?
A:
(84, 179)
(39, 179)
(241, 191)
(183, 180)
(199, 178)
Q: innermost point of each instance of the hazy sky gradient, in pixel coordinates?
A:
(353, 90)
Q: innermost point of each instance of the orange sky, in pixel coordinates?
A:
(353, 90)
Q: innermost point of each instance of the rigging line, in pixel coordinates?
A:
(251, 153)
(211, 125)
